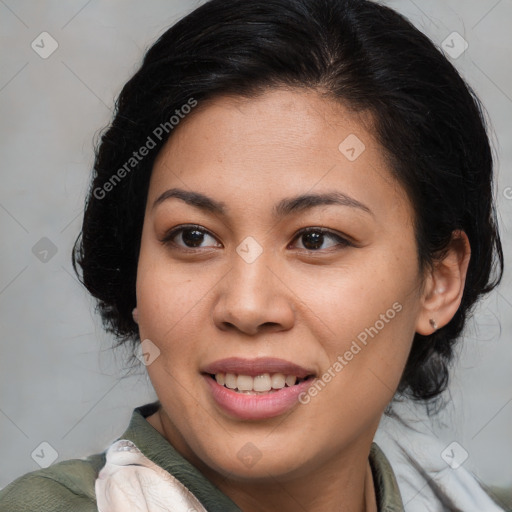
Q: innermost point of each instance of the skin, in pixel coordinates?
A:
(294, 303)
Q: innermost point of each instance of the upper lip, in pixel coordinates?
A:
(258, 366)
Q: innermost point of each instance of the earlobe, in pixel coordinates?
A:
(445, 286)
(135, 315)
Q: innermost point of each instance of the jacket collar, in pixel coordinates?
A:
(386, 486)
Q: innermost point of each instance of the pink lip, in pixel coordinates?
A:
(262, 406)
(256, 407)
(257, 366)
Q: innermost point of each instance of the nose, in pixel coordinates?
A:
(253, 298)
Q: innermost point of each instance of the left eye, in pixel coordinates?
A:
(191, 237)
(312, 239)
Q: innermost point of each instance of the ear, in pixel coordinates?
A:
(135, 315)
(444, 286)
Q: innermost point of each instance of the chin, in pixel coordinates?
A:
(246, 460)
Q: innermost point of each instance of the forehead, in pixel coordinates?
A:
(279, 143)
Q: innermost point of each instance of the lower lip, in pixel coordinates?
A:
(256, 407)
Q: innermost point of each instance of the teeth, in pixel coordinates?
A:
(278, 381)
(290, 380)
(230, 381)
(260, 384)
(244, 383)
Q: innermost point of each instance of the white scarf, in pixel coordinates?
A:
(130, 482)
(429, 473)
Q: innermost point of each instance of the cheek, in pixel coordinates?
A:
(366, 354)
(168, 295)
(365, 314)
(169, 306)
(352, 298)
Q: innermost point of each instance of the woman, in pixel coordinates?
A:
(291, 218)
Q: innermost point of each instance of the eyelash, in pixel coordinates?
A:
(170, 235)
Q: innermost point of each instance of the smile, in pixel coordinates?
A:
(256, 389)
(260, 384)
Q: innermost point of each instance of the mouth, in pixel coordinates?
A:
(255, 389)
(262, 384)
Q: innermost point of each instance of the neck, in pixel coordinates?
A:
(343, 483)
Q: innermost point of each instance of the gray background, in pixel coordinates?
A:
(60, 382)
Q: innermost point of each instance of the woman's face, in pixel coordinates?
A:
(230, 284)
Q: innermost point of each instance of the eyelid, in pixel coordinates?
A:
(342, 239)
(171, 233)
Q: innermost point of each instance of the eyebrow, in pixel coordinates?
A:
(282, 209)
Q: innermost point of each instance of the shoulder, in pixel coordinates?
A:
(67, 485)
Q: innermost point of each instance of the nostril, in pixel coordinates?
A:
(271, 325)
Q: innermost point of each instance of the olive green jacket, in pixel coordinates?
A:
(69, 486)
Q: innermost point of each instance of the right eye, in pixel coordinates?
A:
(189, 237)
